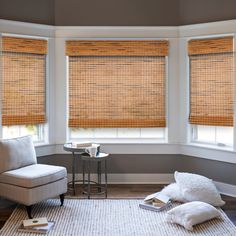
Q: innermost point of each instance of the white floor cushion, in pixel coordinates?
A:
(198, 188)
(173, 192)
(192, 213)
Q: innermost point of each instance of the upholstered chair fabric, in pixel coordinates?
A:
(23, 180)
(16, 153)
(33, 175)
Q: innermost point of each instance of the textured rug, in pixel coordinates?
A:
(110, 218)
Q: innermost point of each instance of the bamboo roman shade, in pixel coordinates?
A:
(117, 83)
(24, 74)
(211, 81)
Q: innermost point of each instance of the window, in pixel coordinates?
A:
(23, 80)
(118, 133)
(36, 131)
(211, 90)
(218, 135)
(117, 88)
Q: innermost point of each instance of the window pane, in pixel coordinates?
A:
(128, 133)
(81, 133)
(224, 135)
(77, 133)
(36, 131)
(213, 134)
(10, 132)
(152, 133)
(205, 133)
(105, 133)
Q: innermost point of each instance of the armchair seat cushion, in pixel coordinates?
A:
(33, 175)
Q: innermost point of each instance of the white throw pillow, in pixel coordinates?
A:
(173, 192)
(192, 213)
(198, 188)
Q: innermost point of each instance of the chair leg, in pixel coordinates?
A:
(62, 197)
(29, 210)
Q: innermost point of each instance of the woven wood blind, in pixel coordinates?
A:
(117, 90)
(211, 81)
(24, 73)
(116, 48)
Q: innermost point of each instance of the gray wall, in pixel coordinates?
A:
(36, 11)
(200, 11)
(118, 13)
(218, 171)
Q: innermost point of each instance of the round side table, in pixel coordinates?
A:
(76, 153)
(95, 187)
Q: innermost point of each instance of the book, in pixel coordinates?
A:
(151, 207)
(155, 202)
(81, 144)
(157, 199)
(37, 229)
(35, 222)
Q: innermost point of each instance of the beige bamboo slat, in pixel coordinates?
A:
(117, 48)
(212, 89)
(210, 46)
(23, 84)
(24, 45)
(116, 91)
(95, 123)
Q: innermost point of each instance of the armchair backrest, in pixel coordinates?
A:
(16, 153)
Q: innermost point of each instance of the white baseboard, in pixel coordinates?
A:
(227, 189)
(133, 178)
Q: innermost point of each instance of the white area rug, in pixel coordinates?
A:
(110, 218)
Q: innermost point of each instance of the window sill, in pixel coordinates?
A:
(211, 146)
(45, 149)
(191, 149)
(210, 152)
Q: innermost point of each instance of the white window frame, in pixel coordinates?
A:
(190, 132)
(119, 139)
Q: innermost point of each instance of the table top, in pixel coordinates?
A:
(99, 157)
(70, 148)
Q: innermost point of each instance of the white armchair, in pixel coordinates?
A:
(23, 180)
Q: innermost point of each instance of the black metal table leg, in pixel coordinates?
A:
(83, 166)
(73, 171)
(105, 178)
(89, 180)
(99, 176)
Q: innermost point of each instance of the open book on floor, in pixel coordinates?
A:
(155, 202)
(37, 229)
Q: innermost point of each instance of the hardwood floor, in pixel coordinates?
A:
(6, 208)
(118, 192)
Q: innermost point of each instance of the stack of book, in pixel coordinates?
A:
(155, 202)
(84, 144)
(36, 225)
